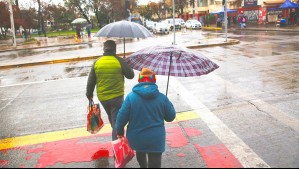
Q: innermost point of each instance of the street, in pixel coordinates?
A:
(244, 114)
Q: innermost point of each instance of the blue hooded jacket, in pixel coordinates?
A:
(145, 110)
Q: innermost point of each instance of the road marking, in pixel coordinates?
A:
(247, 157)
(71, 133)
(40, 82)
(261, 105)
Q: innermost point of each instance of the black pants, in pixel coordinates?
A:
(153, 160)
(112, 107)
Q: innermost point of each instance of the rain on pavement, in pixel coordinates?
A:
(254, 93)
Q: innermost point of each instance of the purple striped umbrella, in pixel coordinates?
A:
(171, 60)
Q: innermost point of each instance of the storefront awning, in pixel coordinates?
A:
(272, 2)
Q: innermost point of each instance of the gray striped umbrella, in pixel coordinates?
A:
(171, 60)
(124, 29)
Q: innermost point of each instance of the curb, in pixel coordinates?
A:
(55, 61)
(270, 29)
(211, 28)
(230, 42)
(69, 44)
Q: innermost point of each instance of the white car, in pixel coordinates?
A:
(169, 23)
(150, 25)
(181, 21)
(160, 27)
(193, 24)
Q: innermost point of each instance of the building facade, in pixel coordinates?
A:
(256, 11)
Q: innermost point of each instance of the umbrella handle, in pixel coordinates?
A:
(124, 47)
(169, 73)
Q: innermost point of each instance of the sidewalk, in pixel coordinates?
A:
(62, 41)
(43, 42)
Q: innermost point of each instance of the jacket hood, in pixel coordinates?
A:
(146, 90)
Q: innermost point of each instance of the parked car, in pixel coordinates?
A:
(161, 28)
(169, 23)
(150, 25)
(181, 21)
(193, 24)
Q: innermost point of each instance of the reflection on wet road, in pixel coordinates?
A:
(246, 110)
(254, 44)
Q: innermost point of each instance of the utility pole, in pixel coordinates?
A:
(163, 9)
(225, 18)
(12, 23)
(173, 13)
(193, 9)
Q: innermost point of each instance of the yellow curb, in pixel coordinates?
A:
(211, 28)
(71, 133)
(54, 61)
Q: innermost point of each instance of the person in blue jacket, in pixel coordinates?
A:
(144, 110)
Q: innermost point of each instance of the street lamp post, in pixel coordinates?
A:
(193, 9)
(173, 13)
(163, 9)
(225, 19)
(12, 23)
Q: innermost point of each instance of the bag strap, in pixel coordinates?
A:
(91, 103)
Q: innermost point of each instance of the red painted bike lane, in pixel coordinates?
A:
(90, 150)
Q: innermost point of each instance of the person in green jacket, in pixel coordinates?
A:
(107, 75)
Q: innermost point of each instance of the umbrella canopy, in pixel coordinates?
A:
(124, 29)
(79, 21)
(171, 60)
(288, 4)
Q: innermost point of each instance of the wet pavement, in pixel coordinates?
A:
(244, 114)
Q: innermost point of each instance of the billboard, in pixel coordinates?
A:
(250, 3)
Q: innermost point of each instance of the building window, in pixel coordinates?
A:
(212, 2)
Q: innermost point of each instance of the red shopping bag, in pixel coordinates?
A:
(122, 151)
(94, 119)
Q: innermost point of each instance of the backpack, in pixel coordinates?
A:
(243, 19)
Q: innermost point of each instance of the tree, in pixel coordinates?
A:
(83, 7)
(41, 19)
(145, 11)
(180, 5)
(62, 17)
(4, 20)
(28, 19)
(156, 9)
(102, 10)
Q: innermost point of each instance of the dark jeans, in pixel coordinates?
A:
(111, 107)
(153, 160)
(89, 32)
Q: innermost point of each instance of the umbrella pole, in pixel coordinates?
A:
(124, 47)
(169, 73)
